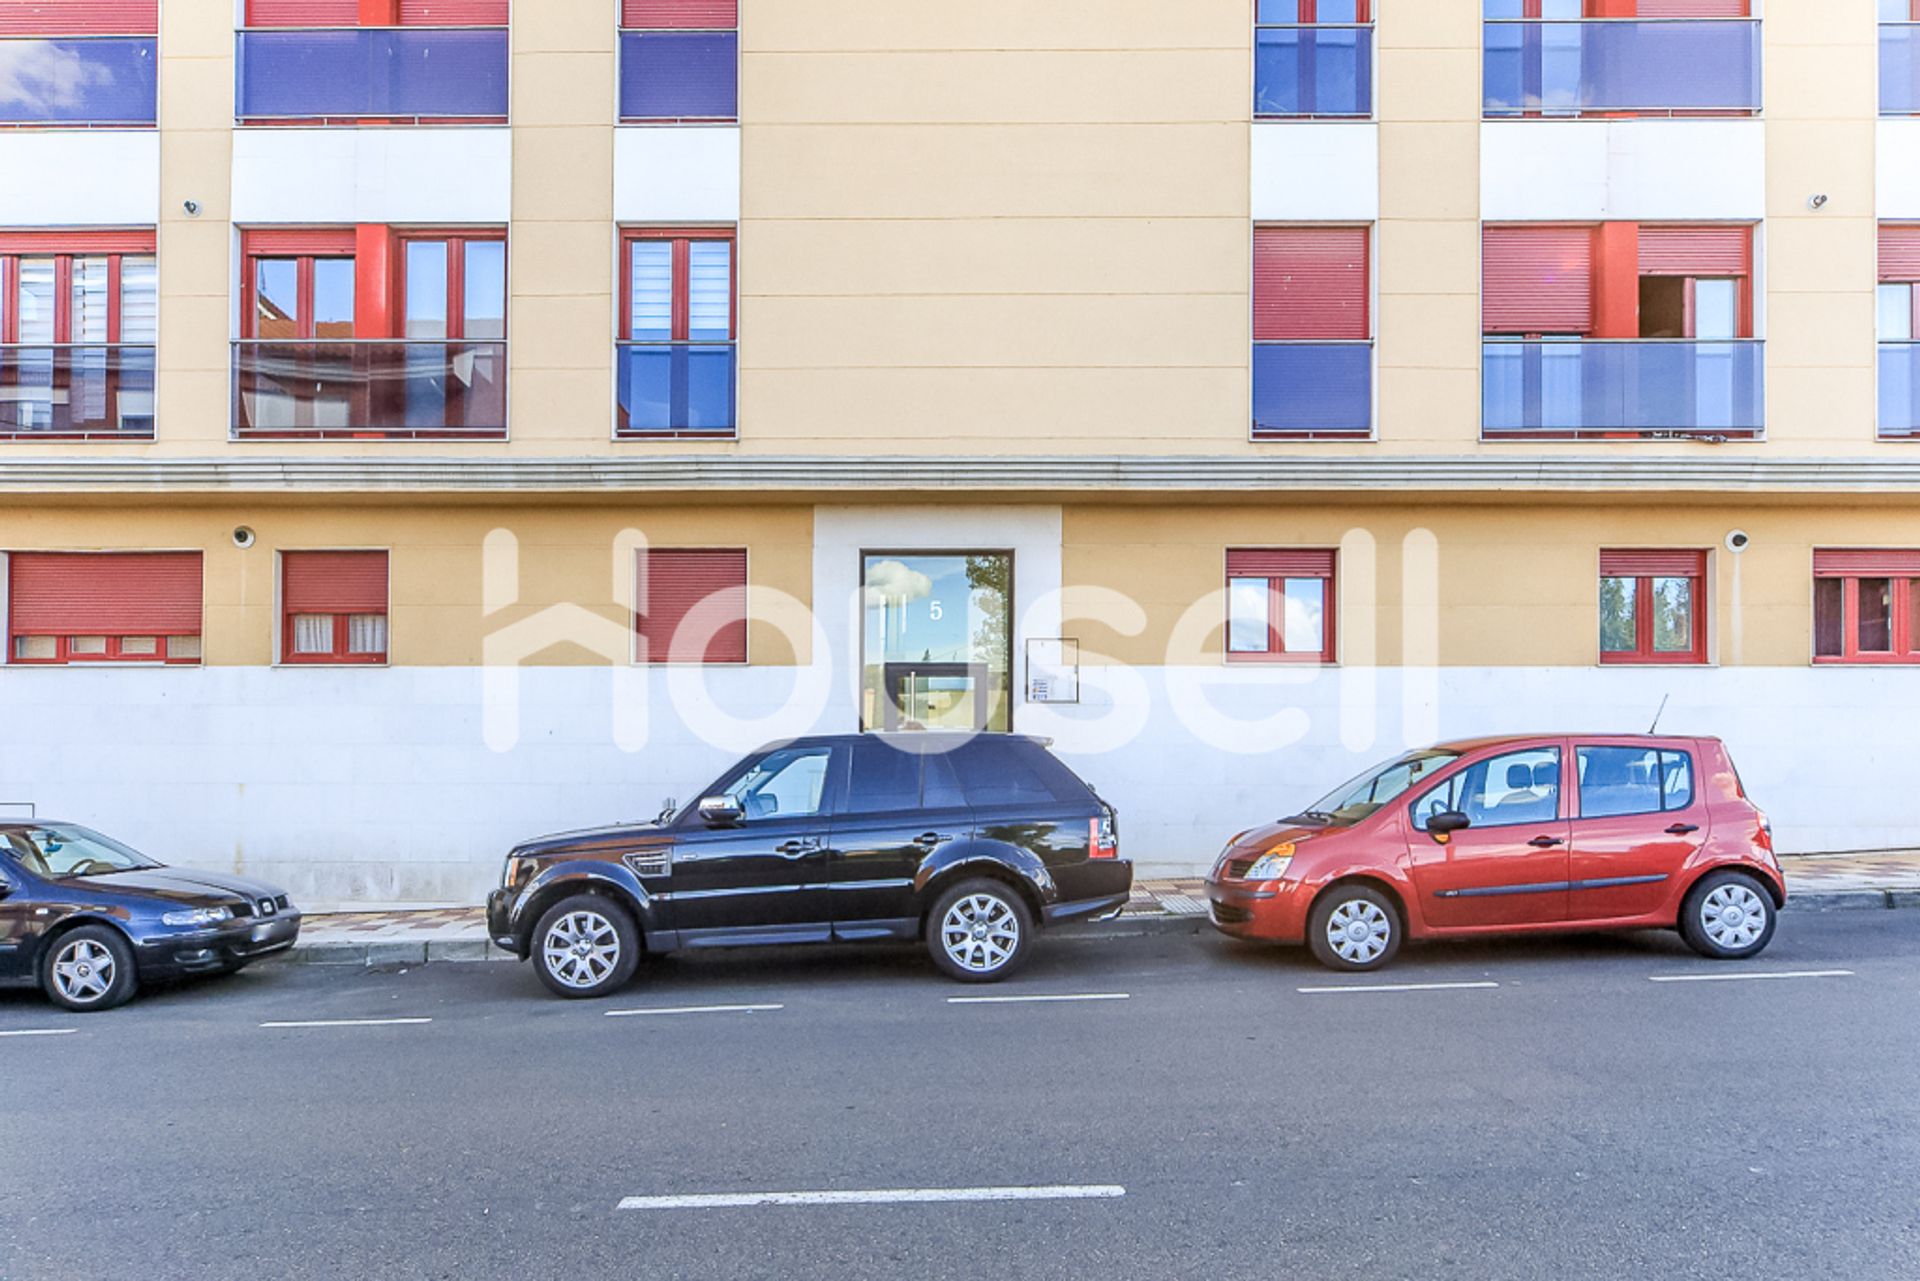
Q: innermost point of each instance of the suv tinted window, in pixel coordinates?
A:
(783, 784)
(884, 778)
(1633, 780)
(1014, 772)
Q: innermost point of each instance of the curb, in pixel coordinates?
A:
(1131, 925)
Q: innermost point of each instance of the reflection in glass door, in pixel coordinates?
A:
(935, 641)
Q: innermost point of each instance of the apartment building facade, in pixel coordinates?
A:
(424, 423)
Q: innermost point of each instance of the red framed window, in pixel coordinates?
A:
(374, 281)
(1280, 605)
(452, 285)
(333, 607)
(103, 607)
(79, 287)
(678, 284)
(1310, 283)
(1695, 282)
(298, 284)
(1537, 280)
(1866, 606)
(692, 605)
(1653, 606)
(1899, 272)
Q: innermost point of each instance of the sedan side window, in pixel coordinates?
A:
(785, 784)
(1516, 787)
(1633, 780)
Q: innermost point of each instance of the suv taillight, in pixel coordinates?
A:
(1102, 840)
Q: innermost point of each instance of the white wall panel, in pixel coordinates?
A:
(1897, 168)
(678, 174)
(1587, 170)
(439, 175)
(1316, 171)
(79, 178)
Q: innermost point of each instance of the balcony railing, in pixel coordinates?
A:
(679, 75)
(1900, 390)
(83, 390)
(1312, 390)
(1313, 71)
(676, 388)
(377, 389)
(381, 73)
(1899, 68)
(1680, 65)
(78, 80)
(1648, 388)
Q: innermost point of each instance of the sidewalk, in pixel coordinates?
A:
(1883, 879)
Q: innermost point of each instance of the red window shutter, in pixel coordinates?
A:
(1866, 562)
(1900, 253)
(1537, 280)
(104, 593)
(674, 582)
(1279, 562)
(1310, 282)
(695, 14)
(303, 13)
(79, 17)
(1691, 9)
(1662, 563)
(1695, 251)
(266, 241)
(77, 242)
(453, 13)
(333, 582)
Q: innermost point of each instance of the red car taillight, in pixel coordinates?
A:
(1102, 840)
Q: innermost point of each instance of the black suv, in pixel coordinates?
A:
(966, 841)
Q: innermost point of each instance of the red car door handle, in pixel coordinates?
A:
(1547, 842)
(1681, 829)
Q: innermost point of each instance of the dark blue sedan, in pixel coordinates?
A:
(88, 919)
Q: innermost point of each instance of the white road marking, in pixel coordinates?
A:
(1398, 987)
(41, 1031)
(1016, 1000)
(696, 1009)
(1750, 974)
(878, 1196)
(346, 1022)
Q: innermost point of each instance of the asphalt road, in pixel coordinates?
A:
(1578, 1119)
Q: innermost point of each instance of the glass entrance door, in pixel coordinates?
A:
(936, 640)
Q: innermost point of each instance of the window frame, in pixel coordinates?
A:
(1308, 17)
(1328, 653)
(114, 654)
(640, 655)
(340, 655)
(680, 317)
(1643, 652)
(304, 257)
(456, 240)
(1903, 636)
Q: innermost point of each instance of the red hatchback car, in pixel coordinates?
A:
(1512, 835)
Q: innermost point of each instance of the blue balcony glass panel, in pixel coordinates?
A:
(1614, 64)
(1645, 387)
(371, 389)
(679, 75)
(1900, 389)
(1312, 389)
(78, 80)
(1313, 71)
(1899, 69)
(676, 387)
(84, 390)
(416, 73)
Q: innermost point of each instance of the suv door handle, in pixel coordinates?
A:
(1547, 842)
(931, 839)
(1681, 829)
(798, 845)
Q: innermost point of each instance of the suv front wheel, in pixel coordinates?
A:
(979, 931)
(585, 946)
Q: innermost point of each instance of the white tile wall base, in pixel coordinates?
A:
(1578, 170)
(1316, 171)
(79, 177)
(377, 786)
(676, 173)
(454, 174)
(1896, 168)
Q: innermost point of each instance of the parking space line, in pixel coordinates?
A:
(695, 1009)
(1399, 987)
(345, 1023)
(40, 1031)
(877, 1196)
(1038, 998)
(1749, 974)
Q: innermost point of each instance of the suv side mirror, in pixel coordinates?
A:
(1445, 824)
(720, 811)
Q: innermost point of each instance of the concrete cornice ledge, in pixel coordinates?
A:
(823, 476)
